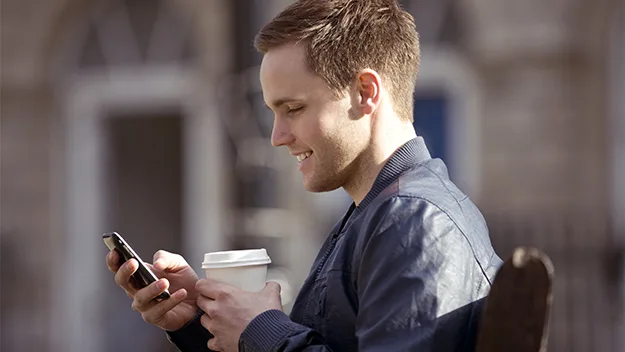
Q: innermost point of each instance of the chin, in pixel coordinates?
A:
(319, 186)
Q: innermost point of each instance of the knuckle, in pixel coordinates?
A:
(180, 258)
(211, 311)
(212, 344)
(224, 295)
(159, 254)
(153, 315)
(206, 322)
(139, 299)
(147, 318)
(118, 279)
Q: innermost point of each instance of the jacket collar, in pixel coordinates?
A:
(409, 155)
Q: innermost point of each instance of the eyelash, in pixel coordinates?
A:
(295, 110)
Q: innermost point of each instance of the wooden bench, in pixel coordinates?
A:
(515, 317)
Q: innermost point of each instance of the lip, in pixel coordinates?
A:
(303, 163)
(301, 152)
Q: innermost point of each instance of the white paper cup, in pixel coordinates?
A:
(245, 269)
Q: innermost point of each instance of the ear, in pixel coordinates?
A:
(368, 87)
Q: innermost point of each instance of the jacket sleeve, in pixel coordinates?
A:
(416, 272)
(192, 337)
(273, 330)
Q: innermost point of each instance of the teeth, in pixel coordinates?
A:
(303, 156)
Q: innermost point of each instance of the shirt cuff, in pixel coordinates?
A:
(268, 331)
(192, 337)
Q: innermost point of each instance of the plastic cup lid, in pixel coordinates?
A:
(228, 259)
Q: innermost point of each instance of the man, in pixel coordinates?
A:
(406, 267)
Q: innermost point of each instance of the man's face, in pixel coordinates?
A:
(323, 133)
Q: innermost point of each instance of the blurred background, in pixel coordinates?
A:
(146, 117)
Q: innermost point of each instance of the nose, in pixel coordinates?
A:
(281, 134)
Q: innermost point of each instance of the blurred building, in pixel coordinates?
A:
(145, 117)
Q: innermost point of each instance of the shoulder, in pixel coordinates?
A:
(424, 203)
(430, 181)
(403, 218)
(423, 192)
(424, 207)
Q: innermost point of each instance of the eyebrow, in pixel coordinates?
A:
(279, 102)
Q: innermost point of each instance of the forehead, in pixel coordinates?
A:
(283, 72)
(288, 56)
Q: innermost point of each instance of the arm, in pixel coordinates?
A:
(416, 280)
(273, 330)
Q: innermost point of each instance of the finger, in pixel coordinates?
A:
(208, 306)
(157, 312)
(206, 322)
(144, 298)
(213, 345)
(112, 261)
(122, 277)
(164, 260)
(272, 287)
(213, 289)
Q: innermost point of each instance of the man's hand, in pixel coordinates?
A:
(175, 274)
(230, 310)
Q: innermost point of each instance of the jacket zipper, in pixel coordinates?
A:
(326, 255)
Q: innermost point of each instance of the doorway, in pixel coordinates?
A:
(143, 201)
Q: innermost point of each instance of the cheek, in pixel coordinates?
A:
(329, 131)
(310, 130)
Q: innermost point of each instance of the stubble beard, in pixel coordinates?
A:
(338, 172)
(342, 164)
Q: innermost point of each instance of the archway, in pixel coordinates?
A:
(142, 149)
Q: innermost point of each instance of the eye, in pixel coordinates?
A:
(295, 110)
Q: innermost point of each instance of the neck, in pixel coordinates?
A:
(372, 160)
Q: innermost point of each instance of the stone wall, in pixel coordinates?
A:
(544, 128)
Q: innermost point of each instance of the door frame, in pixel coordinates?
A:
(86, 99)
(617, 131)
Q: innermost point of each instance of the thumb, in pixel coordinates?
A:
(166, 261)
(272, 287)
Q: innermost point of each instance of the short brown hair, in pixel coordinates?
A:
(344, 37)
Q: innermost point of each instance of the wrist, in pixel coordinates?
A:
(192, 336)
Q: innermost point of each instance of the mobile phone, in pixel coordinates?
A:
(143, 276)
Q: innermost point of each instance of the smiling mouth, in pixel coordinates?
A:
(303, 156)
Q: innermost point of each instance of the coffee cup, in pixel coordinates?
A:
(245, 269)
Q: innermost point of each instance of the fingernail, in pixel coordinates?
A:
(161, 284)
